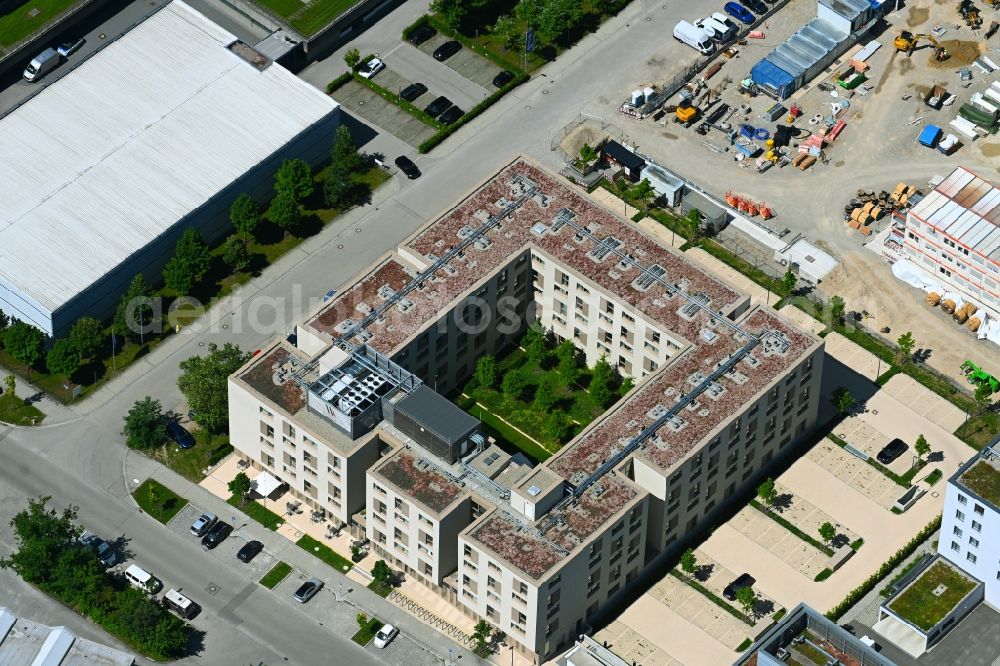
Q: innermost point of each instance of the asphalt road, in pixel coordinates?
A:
(78, 457)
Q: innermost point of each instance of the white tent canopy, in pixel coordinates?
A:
(264, 484)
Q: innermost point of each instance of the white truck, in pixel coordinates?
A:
(42, 64)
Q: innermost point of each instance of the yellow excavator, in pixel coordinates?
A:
(908, 42)
(686, 113)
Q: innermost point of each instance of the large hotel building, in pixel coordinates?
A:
(352, 416)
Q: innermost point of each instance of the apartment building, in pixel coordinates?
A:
(539, 550)
(953, 233)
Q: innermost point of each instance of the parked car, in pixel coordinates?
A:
(447, 50)
(308, 590)
(179, 434)
(451, 115)
(438, 106)
(69, 48)
(744, 580)
(385, 635)
(407, 166)
(891, 451)
(413, 91)
(216, 535)
(180, 604)
(42, 64)
(371, 68)
(739, 12)
(141, 579)
(249, 551)
(421, 34)
(503, 78)
(203, 524)
(105, 553)
(755, 6)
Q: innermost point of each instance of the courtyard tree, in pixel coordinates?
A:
(481, 635)
(842, 400)
(643, 191)
(235, 254)
(244, 214)
(906, 343)
(837, 308)
(545, 394)
(587, 153)
(63, 358)
(295, 177)
(485, 374)
(767, 493)
(512, 384)
(922, 446)
(533, 343)
(693, 223)
(557, 425)
(87, 336)
(747, 599)
(828, 532)
(145, 424)
(24, 343)
(351, 58)
(689, 562)
(284, 211)
(240, 486)
(788, 282)
(204, 382)
(566, 352)
(600, 382)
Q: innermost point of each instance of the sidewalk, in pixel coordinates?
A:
(138, 468)
(55, 412)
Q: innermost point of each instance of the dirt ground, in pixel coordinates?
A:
(876, 150)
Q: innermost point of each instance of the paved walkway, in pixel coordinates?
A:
(855, 357)
(54, 411)
(856, 473)
(930, 405)
(793, 551)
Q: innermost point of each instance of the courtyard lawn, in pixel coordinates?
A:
(318, 14)
(258, 512)
(920, 605)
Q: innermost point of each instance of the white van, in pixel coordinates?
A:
(41, 64)
(694, 37)
(180, 604)
(719, 31)
(142, 579)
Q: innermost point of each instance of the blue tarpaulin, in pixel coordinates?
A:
(929, 136)
(776, 80)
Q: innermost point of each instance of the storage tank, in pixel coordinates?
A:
(636, 98)
(961, 315)
(948, 305)
(974, 324)
(971, 309)
(933, 299)
(648, 93)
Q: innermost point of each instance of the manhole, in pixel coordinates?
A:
(212, 589)
(340, 247)
(225, 327)
(648, 19)
(357, 230)
(545, 92)
(201, 344)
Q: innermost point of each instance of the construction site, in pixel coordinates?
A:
(840, 133)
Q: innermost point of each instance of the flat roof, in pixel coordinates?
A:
(27, 642)
(105, 160)
(436, 413)
(967, 208)
(983, 479)
(933, 594)
(420, 479)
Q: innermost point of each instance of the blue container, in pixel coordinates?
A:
(929, 136)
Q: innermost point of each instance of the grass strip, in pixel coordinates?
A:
(718, 601)
(933, 477)
(325, 553)
(823, 575)
(744, 645)
(158, 501)
(393, 98)
(257, 511)
(277, 574)
(364, 635)
(818, 545)
(14, 410)
(903, 480)
(381, 590)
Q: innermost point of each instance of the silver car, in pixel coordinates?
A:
(203, 524)
(308, 590)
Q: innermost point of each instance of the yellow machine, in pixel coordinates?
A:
(686, 112)
(907, 41)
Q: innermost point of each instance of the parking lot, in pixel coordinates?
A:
(466, 62)
(369, 106)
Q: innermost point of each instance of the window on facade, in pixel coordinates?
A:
(955, 547)
(979, 510)
(974, 542)
(960, 515)
(977, 526)
(957, 531)
(971, 557)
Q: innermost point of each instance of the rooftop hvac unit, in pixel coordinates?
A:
(636, 97)
(648, 93)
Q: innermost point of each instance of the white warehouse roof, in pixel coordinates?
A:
(966, 208)
(103, 161)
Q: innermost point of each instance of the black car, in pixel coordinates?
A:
(447, 50)
(438, 106)
(756, 6)
(891, 451)
(407, 166)
(249, 551)
(216, 535)
(451, 115)
(502, 79)
(745, 580)
(421, 34)
(413, 91)
(179, 435)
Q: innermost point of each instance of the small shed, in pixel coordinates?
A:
(615, 153)
(435, 423)
(929, 136)
(664, 183)
(713, 216)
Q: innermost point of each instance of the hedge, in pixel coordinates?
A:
(338, 82)
(711, 595)
(408, 30)
(392, 97)
(815, 543)
(887, 590)
(445, 29)
(823, 575)
(443, 134)
(854, 595)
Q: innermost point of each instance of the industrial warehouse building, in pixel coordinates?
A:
(156, 133)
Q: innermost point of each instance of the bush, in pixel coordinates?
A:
(823, 575)
(408, 30)
(854, 595)
(338, 82)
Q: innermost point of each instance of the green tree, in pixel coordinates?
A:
(457, 13)
(767, 493)
(922, 446)
(134, 312)
(24, 343)
(828, 532)
(906, 343)
(507, 30)
(244, 214)
(345, 154)
(351, 58)
(145, 424)
(689, 562)
(42, 534)
(189, 264)
(587, 153)
(643, 191)
(485, 374)
(837, 307)
(600, 382)
(556, 425)
(533, 343)
(545, 394)
(177, 277)
(530, 11)
(204, 382)
(788, 282)
(296, 178)
(381, 574)
(4, 322)
(567, 354)
(512, 384)
(63, 358)
(842, 400)
(747, 599)
(235, 254)
(284, 211)
(692, 223)
(11, 386)
(362, 620)
(558, 17)
(338, 188)
(87, 336)
(240, 486)
(481, 635)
